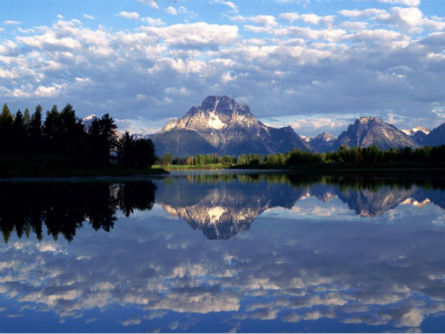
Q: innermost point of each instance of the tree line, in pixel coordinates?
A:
(356, 156)
(62, 133)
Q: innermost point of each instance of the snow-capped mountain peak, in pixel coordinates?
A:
(412, 131)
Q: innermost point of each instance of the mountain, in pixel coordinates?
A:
(324, 142)
(413, 131)
(368, 131)
(88, 120)
(436, 136)
(221, 125)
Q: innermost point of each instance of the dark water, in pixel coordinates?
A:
(229, 252)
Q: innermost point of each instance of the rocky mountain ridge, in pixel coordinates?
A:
(221, 125)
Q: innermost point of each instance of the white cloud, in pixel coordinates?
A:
(153, 22)
(11, 22)
(264, 20)
(291, 16)
(308, 18)
(171, 10)
(373, 13)
(229, 4)
(412, 3)
(195, 34)
(49, 91)
(287, 69)
(151, 3)
(129, 15)
(89, 17)
(411, 16)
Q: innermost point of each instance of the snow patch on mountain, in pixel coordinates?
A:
(214, 122)
(412, 131)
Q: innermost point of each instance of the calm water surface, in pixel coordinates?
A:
(225, 252)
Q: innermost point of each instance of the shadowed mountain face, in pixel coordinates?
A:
(436, 136)
(324, 142)
(221, 125)
(368, 131)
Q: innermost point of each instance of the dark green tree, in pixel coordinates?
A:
(18, 133)
(6, 121)
(35, 131)
(167, 159)
(102, 139)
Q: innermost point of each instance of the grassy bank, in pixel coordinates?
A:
(204, 166)
(349, 167)
(60, 166)
(317, 167)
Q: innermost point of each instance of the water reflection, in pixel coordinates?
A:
(64, 207)
(294, 269)
(223, 205)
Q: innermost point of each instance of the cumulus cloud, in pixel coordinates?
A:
(412, 3)
(171, 10)
(229, 4)
(153, 22)
(356, 61)
(11, 22)
(199, 34)
(308, 18)
(151, 3)
(129, 15)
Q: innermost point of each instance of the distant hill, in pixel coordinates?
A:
(221, 125)
(324, 142)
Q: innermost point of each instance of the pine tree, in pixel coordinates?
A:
(18, 133)
(26, 117)
(5, 129)
(35, 131)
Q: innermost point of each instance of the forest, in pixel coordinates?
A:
(356, 157)
(59, 141)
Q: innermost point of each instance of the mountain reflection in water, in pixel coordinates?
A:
(323, 254)
(223, 205)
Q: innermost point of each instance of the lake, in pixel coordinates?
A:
(224, 251)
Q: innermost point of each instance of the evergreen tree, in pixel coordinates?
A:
(5, 129)
(26, 117)
(35, 131)
(18, 134)
(51, 130)
(138, 153)
(102, 139)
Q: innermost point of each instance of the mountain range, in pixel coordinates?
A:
(223, 126)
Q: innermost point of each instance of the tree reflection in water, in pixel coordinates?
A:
(65, 207)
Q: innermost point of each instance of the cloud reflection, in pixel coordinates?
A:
(158, 271)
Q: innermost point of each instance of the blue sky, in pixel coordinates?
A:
(313, 64)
